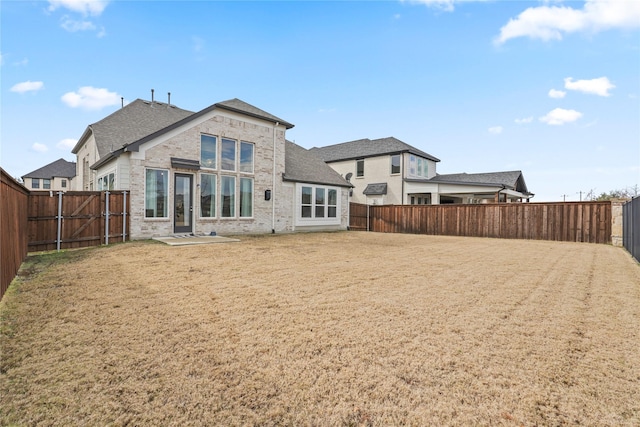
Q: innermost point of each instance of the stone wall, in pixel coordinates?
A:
(616, 222)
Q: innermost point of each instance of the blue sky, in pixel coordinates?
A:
(551, 88)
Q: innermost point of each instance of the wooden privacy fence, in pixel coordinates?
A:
(77, 219)
(631, 227)
(14, 200)
(567, 221)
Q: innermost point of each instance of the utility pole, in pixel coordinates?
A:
(564, 197)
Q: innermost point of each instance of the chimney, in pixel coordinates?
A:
(169, 102)
(152, 96)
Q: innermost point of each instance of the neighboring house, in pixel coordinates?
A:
(227, 168)
(389, 171)
(56, 176)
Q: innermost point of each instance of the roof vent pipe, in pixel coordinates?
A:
(152, 96)
(122, 102)
(169, 102)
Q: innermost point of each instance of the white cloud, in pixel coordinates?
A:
(551, 22)
(495, 130)
(91, 98)
(67, 144)
(600, 86)
(560, 116)
(73, 26)
(553, 93)
(40, 148)
(446, 5)
(27, 86)
(524, 121)
(85, 7)
(24, 62)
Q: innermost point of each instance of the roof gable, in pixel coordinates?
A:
(301, 165)
(366, 147)
(239, 106)
(60, 168)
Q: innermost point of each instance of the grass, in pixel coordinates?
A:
(324, 329)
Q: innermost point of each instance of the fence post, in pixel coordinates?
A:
(106, 218)
(59, 234)
(124, 216)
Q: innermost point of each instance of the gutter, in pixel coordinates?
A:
(273, 186)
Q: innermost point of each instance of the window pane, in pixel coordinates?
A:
(360, 167)
(395, 164)
(46, 184)
(207, 195)
(306, 212)
(64, 183)
(111, 181)
(246, 157)
(246, 197)
(35, 183)
(228, 155)
(320, 211)
(419, 167)
(156, 187)
(333, 197)
(412, 165)
(319, 196)
(331, 211)
(228, 196)
(208, 151)
(306, 195)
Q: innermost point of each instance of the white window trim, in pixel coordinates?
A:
(300, 221)
(169, 197)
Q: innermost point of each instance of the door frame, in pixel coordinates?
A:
(188, 209)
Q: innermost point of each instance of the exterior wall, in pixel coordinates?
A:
(85, 157)
(55, 184)
(616, 222)
(376, 170)
(184, 143)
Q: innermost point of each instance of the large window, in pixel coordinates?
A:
(35, 182)
(228, 160)
(228, 196)
(208, 151)
(207, 195)
(155, 193)
(246, 157)
(246, 197)
(318, 204)
(107, 182)
(360, 168)
(395, 164)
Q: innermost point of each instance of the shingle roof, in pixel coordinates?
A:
(60, 168)
(301, 165)
(376, 189)
(122, 125)
(511, 179)
(240, 106)
(131, 123)
(367, 148)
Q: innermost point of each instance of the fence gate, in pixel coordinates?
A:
(76, 219)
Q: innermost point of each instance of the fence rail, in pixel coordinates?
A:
(76, 219)
(567, 221)
(13, 238)
(631, 227)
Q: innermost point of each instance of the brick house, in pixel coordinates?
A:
(227, 168)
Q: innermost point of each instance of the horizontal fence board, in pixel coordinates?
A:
(567, 221)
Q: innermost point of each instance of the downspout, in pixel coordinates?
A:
(273, 186)
(402, 177)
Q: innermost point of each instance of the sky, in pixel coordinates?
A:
(551, 88)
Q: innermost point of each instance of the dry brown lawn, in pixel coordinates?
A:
(347, 328)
